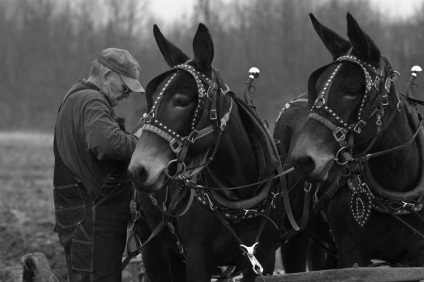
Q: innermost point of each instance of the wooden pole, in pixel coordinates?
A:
(352, 274)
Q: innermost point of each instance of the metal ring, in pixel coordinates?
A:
(336, 158)
(252, 89)
(319, 99)
(178, 175)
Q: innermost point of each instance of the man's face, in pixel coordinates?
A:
(116, 90)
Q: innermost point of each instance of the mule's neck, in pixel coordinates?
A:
(235, 162)
(400, 170)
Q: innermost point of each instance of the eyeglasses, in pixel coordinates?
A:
(126, 91)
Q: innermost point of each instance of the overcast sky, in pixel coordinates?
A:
(170, 10)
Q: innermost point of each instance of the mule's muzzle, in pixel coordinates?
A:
(311, 167)
(138, 175)
(304, 165)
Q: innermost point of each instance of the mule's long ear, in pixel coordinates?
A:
(336, 44)
(363, 45)
(203, 48)
(172, 54)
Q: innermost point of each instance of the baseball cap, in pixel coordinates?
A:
(121, 62)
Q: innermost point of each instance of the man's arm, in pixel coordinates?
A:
(104, 137)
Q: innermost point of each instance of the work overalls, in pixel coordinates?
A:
(92, 230)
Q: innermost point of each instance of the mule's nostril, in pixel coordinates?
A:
(306, 164)
(139, 174)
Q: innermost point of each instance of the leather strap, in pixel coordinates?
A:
(314, 211)
(287, 205)
(137, 251)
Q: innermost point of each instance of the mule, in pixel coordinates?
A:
(366, 136)
(313, 247)
(201, 155)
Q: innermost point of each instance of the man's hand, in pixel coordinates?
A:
(138, 133)
(138, 129)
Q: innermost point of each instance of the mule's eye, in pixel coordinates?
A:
(351, 92)
(182, 101)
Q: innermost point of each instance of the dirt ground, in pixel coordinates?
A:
(26, 205)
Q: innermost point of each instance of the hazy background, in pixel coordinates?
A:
(47, 45)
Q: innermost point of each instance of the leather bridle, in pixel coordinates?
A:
(377, 87)
(206, 110)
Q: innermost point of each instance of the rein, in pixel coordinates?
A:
(248, 185)
(397, 148)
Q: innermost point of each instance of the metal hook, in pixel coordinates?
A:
(250, 252)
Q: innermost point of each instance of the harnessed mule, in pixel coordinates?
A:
(363, 131)
(312, 247)
(199, 139)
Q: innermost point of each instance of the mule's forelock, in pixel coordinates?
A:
(334, 43)
(203, 49)
(363, 46)
(172, 54)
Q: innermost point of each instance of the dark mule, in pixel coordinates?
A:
(313, 246)
(362, 131)
(198, 131)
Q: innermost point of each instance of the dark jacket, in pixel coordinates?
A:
(89, 139)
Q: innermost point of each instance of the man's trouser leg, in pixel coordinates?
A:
(93, 233)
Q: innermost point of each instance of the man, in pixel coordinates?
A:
(92, 151)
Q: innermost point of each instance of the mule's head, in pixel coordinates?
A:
(176, 101)
(348, 98)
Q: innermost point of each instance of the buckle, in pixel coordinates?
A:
(212, 114)
(175, 145)
(359, 125)
(339, 134)
(385, 101)
(192, 136)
